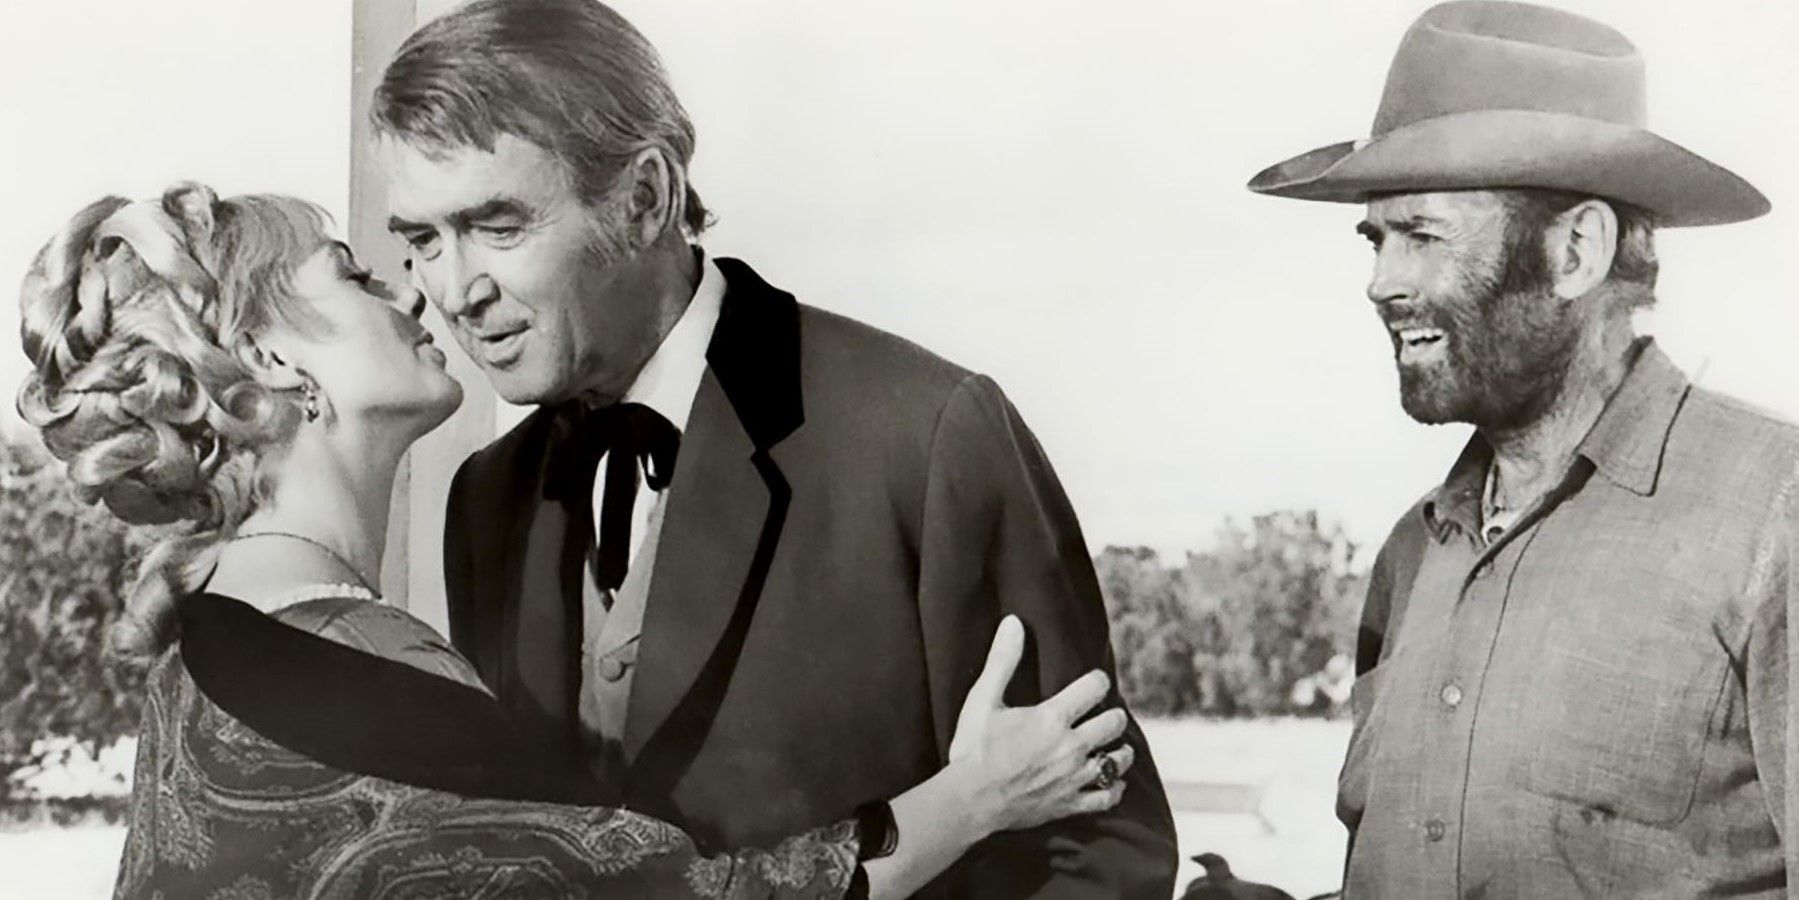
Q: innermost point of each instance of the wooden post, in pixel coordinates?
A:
(412, 576)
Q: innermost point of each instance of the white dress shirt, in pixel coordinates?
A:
(667, 384)
(612, 621)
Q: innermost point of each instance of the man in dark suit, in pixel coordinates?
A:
(746, 552)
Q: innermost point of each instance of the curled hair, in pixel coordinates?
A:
(571, 76)
(132, 316)
(1634, 263)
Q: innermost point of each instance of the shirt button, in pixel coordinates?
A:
(1434, 830)
(1451, 695)
(612, 668)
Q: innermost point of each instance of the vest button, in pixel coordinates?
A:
(612, 668)
(1434, 830)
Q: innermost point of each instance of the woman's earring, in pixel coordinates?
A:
(309, 403)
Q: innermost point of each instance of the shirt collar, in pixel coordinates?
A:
(670, 379)
(1456, 503)
(1625, 444)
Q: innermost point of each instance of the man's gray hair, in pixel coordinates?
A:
(571, 76)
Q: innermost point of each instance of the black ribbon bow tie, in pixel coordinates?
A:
(635, 436)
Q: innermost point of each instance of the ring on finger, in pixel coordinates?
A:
(1108, 772)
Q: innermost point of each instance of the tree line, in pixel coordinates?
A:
(1262, 623)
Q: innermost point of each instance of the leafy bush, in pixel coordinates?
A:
(1261, 624)
(64, 567)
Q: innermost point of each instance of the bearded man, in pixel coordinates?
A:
(1572, 672)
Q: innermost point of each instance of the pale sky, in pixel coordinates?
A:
(1047, 191)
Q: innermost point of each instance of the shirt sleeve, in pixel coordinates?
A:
(1389, 587)
(1773, 589)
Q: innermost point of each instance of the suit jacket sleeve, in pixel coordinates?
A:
(999, 537)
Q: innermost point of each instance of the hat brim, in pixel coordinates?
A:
(1523, 149)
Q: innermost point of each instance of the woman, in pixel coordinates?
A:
(225, 368)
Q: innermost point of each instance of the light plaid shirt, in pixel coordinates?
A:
(1594, 704)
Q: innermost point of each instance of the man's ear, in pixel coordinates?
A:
(1581, 245)
(267, 365)
(658, 192)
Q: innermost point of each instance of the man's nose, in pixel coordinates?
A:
(1392, 279)
(467, 288)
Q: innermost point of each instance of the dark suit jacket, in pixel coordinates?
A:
(849, 519)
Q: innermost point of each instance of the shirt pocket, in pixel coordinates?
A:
(1620, 714)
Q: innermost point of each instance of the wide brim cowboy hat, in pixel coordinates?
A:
(1484, 94)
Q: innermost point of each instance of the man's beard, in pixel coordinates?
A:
(1509, 345)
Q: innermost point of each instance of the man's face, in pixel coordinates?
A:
(1478, 335)
(534, 284)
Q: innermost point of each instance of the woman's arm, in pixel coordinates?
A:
(1009, 769)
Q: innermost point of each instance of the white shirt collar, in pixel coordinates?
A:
(670, 379)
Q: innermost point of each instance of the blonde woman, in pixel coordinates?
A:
(226, 369)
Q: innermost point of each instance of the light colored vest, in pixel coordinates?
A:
(609, 641)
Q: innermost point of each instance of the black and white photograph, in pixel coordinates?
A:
(792, 449)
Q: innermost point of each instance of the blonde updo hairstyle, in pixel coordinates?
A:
(133, 317)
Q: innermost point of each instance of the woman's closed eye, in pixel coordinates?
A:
(349, 269)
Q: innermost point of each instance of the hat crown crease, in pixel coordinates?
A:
(1506, 56)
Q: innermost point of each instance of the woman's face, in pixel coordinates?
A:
(374, 363)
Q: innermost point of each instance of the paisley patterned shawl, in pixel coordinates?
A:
(276, 763)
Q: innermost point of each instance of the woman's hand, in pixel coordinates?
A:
(1008, 769)
(1035, 764)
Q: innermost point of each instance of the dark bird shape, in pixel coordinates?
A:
(1219, 884)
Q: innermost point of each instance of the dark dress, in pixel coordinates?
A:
(338, 749)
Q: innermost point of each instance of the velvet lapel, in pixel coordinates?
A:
(726, 507)
(541, 621)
